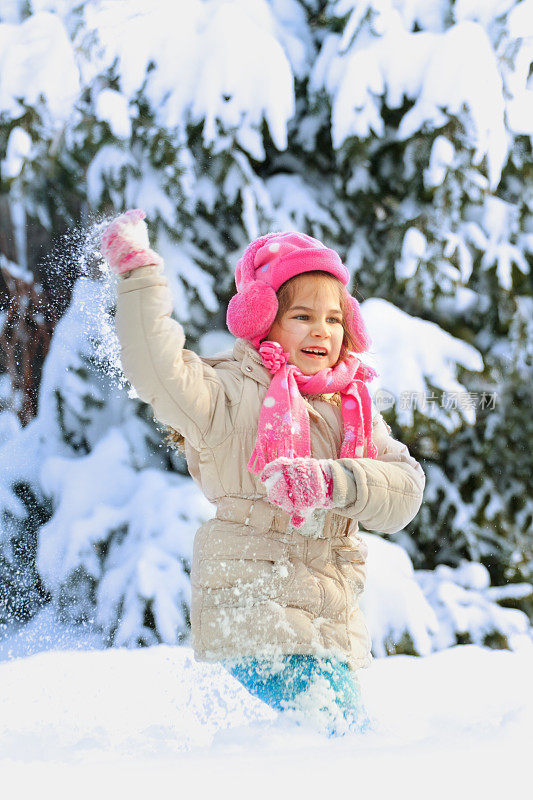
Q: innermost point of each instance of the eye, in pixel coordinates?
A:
(301, 316)
(334, 319)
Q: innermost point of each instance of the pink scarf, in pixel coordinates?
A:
(283, 428)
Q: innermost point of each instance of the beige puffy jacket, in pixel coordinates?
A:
(260, 586)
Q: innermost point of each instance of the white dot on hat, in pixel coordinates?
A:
(274, 247)
(350, 404)
(269, 402)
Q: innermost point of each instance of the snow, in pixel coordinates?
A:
(205, 62)
(483, 11)
(498, 219)
(18, 218)
(70, 343)
(520, 20)
(87, 484)
(77, 719)
(20, 456)
(294, 34)
(463, 600)
(441, 71)
(102, 480)
(429, 16)
(15, 271)
(39, 60)
(301, 206)
(463, 70)
(390, 615)
(97, 498)
(431, 608)
(146, 192)
(441, 157)
(213, 343)
(199, 63)
(9, 422)
(456, 244)
(496, 223)
(391, 65)
(109, 163)
(18, 148)
(520, 112)
(413, 250)
(45, 632)
(112, 107)
(433, 356)
(185, 276)
(10, 11)
(144, 717)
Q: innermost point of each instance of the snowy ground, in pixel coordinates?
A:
(154, 721)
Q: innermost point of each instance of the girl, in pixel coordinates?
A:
(282, 436)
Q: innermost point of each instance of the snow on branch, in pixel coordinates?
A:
(430, 354)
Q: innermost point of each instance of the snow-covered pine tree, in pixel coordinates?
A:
(366, 124)
(435, 164)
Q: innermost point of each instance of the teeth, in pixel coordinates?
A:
(316, 352)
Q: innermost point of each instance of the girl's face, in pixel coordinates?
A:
(313, 322)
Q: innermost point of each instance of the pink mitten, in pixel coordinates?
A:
(125, 244)
(298, 485)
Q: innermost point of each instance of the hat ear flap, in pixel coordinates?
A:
(252, 311)
(358, 328)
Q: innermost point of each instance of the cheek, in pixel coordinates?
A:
(339, 336)
(294, 333)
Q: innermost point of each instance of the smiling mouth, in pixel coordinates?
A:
(318, 352)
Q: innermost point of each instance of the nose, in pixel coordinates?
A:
(320, 328)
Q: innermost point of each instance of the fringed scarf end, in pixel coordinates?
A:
(262, 456)
(257, 462)
(372, 450)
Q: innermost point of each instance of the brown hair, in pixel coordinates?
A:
(173, 439)
(287, 292)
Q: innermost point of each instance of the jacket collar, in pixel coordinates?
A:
(251, 364)
(252, 367)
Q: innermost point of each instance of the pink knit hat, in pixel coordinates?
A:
(268, 262)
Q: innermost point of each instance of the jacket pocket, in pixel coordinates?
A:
(354, 551)
(238, 582)
(350, 560)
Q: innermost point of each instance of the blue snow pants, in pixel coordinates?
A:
(324, 687)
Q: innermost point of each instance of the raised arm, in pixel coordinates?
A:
(183, 391)
(383, 494)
